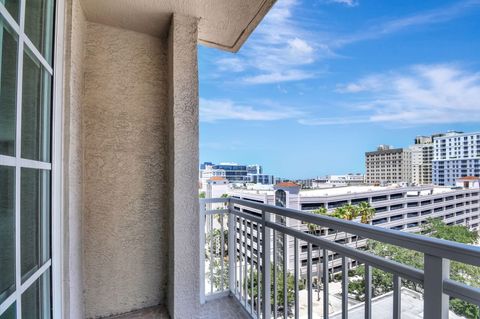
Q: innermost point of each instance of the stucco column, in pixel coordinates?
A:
(184, 275)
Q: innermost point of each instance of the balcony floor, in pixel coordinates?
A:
(226, 307)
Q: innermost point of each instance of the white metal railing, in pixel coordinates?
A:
(247, 262)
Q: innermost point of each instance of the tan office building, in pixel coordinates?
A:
(388, 165)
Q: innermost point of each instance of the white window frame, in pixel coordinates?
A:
(57, 162)
(55, 263)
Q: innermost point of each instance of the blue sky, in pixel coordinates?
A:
(319, 82)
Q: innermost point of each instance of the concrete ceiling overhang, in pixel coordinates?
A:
(224, 24)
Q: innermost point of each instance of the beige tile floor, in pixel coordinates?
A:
(224, 308)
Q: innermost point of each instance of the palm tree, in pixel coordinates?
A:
(347, 212)
(319, 211)
(312, 228)
(366, 212)
(351, 212)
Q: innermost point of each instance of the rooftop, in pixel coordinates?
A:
(382, 307)
(346, 190)
(217, 178)
(287, 184)
(469, 178)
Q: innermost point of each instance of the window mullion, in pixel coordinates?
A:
(18, 140)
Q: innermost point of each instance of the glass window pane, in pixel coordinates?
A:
(36, 110)
(13, 7)
(10, 313)
(39, 25)
(36, 299)
(7, 231)
(8, 87)
(34, 220)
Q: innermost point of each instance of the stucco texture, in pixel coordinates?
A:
(126, 171)
(183, 297)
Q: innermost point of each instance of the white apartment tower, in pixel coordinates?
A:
(456, 155)
(388, 165)
(422, 157)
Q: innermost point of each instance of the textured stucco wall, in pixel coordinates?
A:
(183, 297)
(126, 170)
(75, 32)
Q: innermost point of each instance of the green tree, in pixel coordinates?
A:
(313, 228)
(460, 272)
(216, 274)
(213, 254)
(290, 288)
(366, 212)
(201, 195)
(350, 212)
(438, 229)
(214, 242)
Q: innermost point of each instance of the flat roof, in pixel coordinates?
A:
(361, 189)
(382, 307)
(351, 190)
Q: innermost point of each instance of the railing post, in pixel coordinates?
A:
(368, 291)
(397, 297)
(266, 284)
(231, 248)
(435, 302)
(344, 287)
(202, 251)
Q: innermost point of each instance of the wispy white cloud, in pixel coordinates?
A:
(230, 65)
(276, 77)
(333, 120)
(282, 49)
(369, 83)
(212, 110)
(423, 94)
(429, 17)
(278, 51)
(349, 3)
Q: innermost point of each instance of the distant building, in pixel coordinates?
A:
(207, 173)
(234, 173)
(264, 179)
(346, 180)
(254, 169)
(205, 164)
(332, 180)
(422, 158)
(468, 182)
(388, 165)
(397, 208)
(456, 155)
(216, 187)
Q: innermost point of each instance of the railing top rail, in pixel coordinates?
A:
(427, 245)
(214, 200)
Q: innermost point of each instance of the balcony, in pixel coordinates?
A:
(263, 245)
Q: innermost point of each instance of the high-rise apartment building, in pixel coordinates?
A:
(254, 169)
(422, 157)
(456, 155)
(388, 165)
